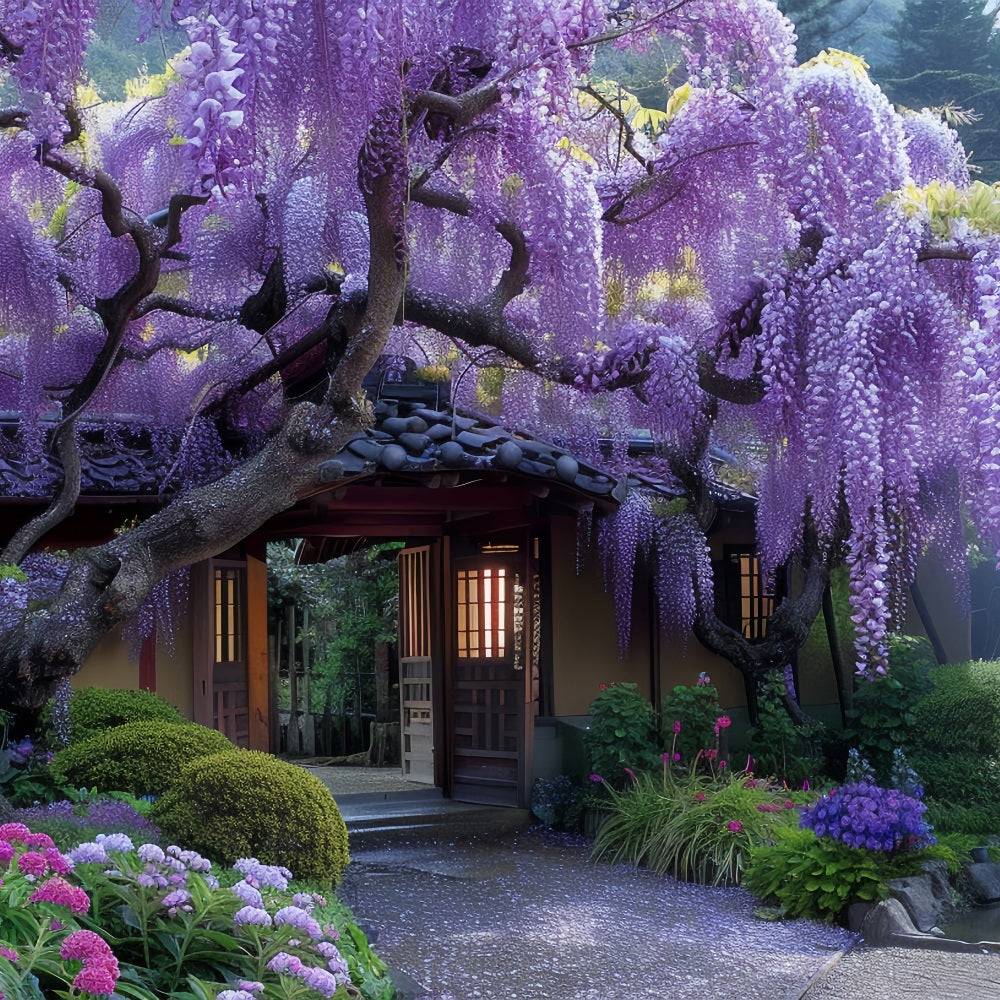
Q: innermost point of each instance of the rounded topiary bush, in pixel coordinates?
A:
(93, 710)
(143, 758)
(246, 803)
(961, 712)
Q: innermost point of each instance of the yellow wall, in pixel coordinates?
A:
(584, 643)
(109, 666)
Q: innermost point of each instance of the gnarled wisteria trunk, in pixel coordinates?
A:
(778, 262)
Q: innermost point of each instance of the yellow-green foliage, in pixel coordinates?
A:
(143, 758)
(245, 803)
(944, 204)
(93, 710)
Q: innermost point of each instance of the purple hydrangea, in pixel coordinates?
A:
(295, 916)
(89, 853)
(249, 895)
(115, 841)
(869, 816)
(252, 915)
(263, 876)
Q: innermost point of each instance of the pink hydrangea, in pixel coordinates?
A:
(97, 976)
(6, 852)
(39, 840)
(58, 890)
(15, 832)
(32, 863)
(86, 946)
(58, 863)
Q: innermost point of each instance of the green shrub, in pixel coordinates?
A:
(779, 747)
(622, 733)
(244, 803)
(961, 712)
(883, 717)
(696, 708)
(93, 710)
(557, 802)
(814, 877)
(803, 875)
(139, 757)
(695, 830)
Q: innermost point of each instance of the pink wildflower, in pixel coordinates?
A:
(86, 946)
(722, 765)
(723, 722)
(602, 687)
(631, 773)
(805, 785)
(596, 777)
(6, 852)
(58, 890)
(700, 797)
(677, 726)
(735, 826)
(8, 953)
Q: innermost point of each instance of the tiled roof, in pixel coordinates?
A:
(116, 460)
(410, 437)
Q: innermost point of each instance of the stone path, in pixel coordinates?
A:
(527, 916)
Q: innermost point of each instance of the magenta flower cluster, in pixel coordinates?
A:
(868, 816)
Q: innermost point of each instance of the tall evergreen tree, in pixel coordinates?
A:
(947, 54)
(822, 23)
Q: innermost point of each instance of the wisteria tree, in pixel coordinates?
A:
(776, 262)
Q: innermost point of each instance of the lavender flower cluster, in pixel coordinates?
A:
(869, 816)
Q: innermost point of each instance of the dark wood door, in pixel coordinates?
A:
(487, 684)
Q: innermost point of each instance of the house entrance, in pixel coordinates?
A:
(487, 685)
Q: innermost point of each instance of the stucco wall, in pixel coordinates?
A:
(584, 643)
(109, 666)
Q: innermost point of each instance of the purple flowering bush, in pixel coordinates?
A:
(166, 923)
(847, 847)
(869, 816)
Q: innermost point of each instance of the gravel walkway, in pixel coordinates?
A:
(527, 916)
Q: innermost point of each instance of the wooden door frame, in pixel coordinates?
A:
(527, 565)
(203, 638)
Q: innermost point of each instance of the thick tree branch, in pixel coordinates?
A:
(459, 108)
(109, 583)
(744, 391)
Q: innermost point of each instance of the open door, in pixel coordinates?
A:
(416, 685)
(487, 681)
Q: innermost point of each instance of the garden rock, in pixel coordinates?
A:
(982, 880)
(927, 902)
(881, 923)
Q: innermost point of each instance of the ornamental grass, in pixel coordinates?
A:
(695, 828)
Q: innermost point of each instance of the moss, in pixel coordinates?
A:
(245, 803)
(143, 758)
(92, 710)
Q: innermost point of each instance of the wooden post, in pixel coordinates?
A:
(294, 743)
